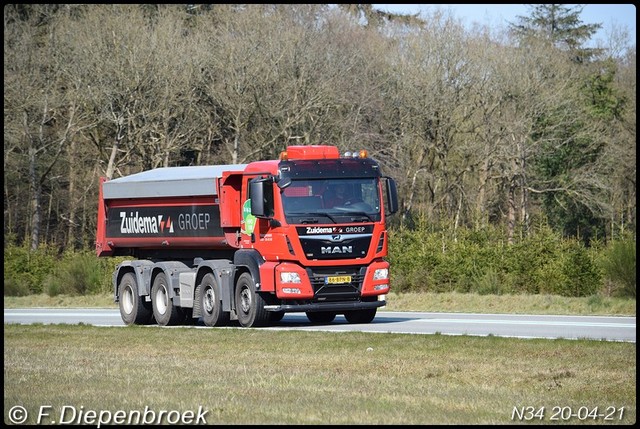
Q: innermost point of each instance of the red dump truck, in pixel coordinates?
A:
(251, 242)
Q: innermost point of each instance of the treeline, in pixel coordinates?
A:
(499, 128)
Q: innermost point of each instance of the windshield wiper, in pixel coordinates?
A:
(312, 219)
(361, 214)
(351, 213)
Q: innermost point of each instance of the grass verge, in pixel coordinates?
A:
(433, 302)
(259, 376)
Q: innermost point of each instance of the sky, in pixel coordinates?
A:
(609, 15)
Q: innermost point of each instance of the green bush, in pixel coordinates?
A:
(584, 276)
(81, 273)
(572, 272)
(492, 282)
(29, 272)
(414, 254)
(527, 257)
(430, 258)
(619, 266)
(16, 287)
(25, 270)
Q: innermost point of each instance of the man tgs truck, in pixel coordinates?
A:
(250, 242)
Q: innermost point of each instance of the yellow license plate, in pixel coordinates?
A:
(338, 279)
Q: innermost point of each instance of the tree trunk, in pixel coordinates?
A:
(35, 199)
(511, 212)
(112, 159)
(71, 236)
(34, 188)
(481, 202)
(408, 203)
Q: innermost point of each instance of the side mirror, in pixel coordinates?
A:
(261, 195)
(392, 195)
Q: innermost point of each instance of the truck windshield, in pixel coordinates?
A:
(332, 200)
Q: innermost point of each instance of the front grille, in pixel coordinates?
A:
(324, 291)
(334, 245)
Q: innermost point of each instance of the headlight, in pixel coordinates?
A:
(381, 274)
(289, 277)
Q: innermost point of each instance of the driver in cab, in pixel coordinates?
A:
(338, 197)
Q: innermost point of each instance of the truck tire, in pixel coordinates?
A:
(133, 309)
(249, 303)
(164, 311)
(211, 302)
(321, 316)
(360, 316)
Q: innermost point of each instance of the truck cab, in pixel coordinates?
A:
(321, 223)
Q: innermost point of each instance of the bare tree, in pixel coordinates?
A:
(37, 95)
(433, 82)
(138, 71)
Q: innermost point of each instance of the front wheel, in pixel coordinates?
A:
(165, 312)
(249, 303)
(360, 316)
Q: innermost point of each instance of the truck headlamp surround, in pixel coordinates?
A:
(289, 277)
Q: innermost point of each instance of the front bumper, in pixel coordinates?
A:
(327, 306)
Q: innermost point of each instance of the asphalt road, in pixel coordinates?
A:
(500, 325)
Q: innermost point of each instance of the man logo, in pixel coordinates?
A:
(337, 249)
(336, 237)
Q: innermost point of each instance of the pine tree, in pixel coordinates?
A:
(561, 26)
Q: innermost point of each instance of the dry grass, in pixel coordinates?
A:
(512, 304)
(253, 376)
(62, 301)
(432, 302)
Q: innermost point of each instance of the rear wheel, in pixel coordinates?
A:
(360, 316)
(165, 312)
(133, 309)
(321, 316)
(249, 303)
(211, 302)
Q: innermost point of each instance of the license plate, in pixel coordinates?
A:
(337, 279)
